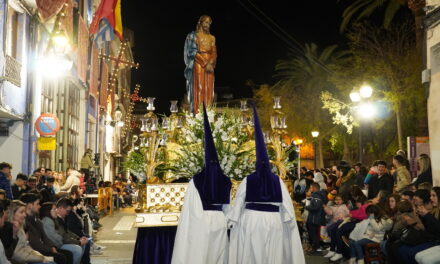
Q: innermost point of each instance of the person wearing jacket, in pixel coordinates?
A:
(347, 178)
(3, 217)
(378, 224)
(381, 181)
(339, 211)
(72, 180)
(403, 177)
(64, 207)
(23, 253)
(61, 240)
(316, 216)
(5, 179)
(38, 239)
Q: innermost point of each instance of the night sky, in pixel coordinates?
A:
(247, 49)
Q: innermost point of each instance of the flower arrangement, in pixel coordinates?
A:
(234, 148)
(185, 154)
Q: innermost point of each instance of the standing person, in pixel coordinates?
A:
(200, 54)
(87, 164)
(264, 228)
(403, 177)
(5, 179)
(38, 239)
(202, 219)
(316, 216)
(346, 178)
(382, 181)
(19, 186)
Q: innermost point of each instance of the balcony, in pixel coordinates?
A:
(12, 71)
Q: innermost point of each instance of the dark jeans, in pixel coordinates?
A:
(331, 231)
(314, 235)
(408, 253)
(357, 248)
(345, 231)
(86, 256)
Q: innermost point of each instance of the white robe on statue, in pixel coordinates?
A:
(264, 237)
(201, 235)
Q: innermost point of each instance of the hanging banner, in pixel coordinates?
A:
(47, 143)
(47, 124)
(48, 8)
(416, 146)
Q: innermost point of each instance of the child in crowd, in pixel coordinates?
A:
(316, 217)
(378, 224)
(338, 212)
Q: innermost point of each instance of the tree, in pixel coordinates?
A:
(364, 8)
(388, 61)
(301, 80)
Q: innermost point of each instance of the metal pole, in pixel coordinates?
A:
(299, 161)
(360, 141)
(315, 150)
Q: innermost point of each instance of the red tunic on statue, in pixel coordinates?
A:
(203, 70)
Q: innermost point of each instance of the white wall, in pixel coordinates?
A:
(11, 149)
(433, 63)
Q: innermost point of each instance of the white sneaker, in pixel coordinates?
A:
(352, 261)
(330, 254)
(336, 257)
(95, 252)
(98, 247)
(360, 261)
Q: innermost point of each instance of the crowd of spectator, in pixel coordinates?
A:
(44, 218)
(346, 208)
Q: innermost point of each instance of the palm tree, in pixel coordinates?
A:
(364, 8)
(303, 77)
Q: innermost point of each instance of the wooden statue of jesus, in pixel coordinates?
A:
(200, 56)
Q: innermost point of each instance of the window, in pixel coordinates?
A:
(73, 99)
(12, 33)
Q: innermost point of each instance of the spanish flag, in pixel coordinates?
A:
(110, 10)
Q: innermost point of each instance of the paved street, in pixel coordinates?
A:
(119, 237)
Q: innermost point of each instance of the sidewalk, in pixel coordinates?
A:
(118, 235)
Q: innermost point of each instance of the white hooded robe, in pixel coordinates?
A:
(201, 235)
(264, 237)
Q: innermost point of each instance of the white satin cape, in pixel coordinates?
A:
(201, 235)
(264, 237)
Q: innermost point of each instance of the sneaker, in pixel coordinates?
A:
(352, 261)
(98, 247)
(314, 253)
(360, 261)
(95, 252)
(319, 249)
(330, 254)
(336, 257)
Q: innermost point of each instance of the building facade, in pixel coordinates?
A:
(84, 96)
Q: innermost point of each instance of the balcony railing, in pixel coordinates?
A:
(12, 71)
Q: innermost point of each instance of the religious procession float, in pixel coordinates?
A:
(169, 151)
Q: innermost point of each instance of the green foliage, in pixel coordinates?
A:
(134, 162)
(360, 9)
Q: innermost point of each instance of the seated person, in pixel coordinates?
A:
(19, 187)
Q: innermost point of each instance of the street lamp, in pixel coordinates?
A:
(298, 143)
(56, 61)
(365, 110)
(315, 134)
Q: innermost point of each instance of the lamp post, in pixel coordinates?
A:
(315, 135)
(365, 110)
(298, 143)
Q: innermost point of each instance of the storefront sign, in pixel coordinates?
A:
(47, 124)
(47, 143)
